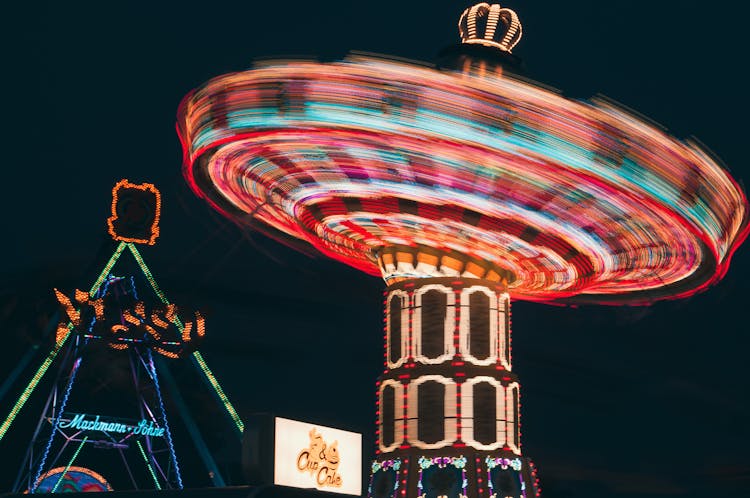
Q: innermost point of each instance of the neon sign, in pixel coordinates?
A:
(142, 428)
(320, 460)
(314, 456)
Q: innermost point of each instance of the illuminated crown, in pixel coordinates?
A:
(479, 25)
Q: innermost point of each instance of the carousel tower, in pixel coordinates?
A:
(461, 186)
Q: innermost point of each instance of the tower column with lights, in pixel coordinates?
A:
(448, 419)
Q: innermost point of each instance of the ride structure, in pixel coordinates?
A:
(126, 327)
(461, 185)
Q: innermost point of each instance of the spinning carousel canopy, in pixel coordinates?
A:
(407, 171)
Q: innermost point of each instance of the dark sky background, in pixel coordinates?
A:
(617, 402)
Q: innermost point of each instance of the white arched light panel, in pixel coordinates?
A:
(448, 324)
(465, 325)
(503, 331)
(511, 417)
(449, 412)
(398, 414)
(467, 413)
(404, 319)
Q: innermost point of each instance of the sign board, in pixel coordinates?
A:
(302, 455)
(313, 456)
(83, 422)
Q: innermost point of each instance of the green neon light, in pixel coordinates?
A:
(196, 355)
(148, 465)
(27, 392)
(219, 391)
(58, 346)
(67, 467)
(147, 273)
(107, 268)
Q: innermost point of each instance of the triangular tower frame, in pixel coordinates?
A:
(148, 364)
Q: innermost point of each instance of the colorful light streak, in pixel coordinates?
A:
(577, 201)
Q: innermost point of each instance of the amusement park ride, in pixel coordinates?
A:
(129, 318)
(461, 185)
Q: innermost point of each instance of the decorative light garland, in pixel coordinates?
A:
(394, 464)
(443, 462)
(504, 463)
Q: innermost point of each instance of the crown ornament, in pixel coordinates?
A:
(491, 26)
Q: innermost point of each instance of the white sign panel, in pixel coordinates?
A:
(314, 456)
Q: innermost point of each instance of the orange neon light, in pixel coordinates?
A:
(133, 322)
(153, 231)
(73, 314)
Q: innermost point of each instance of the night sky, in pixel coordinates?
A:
(617, 401)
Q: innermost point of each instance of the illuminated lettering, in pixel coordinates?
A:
(73, 423)
(321, 461)
(329, 477)
(81, 423)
